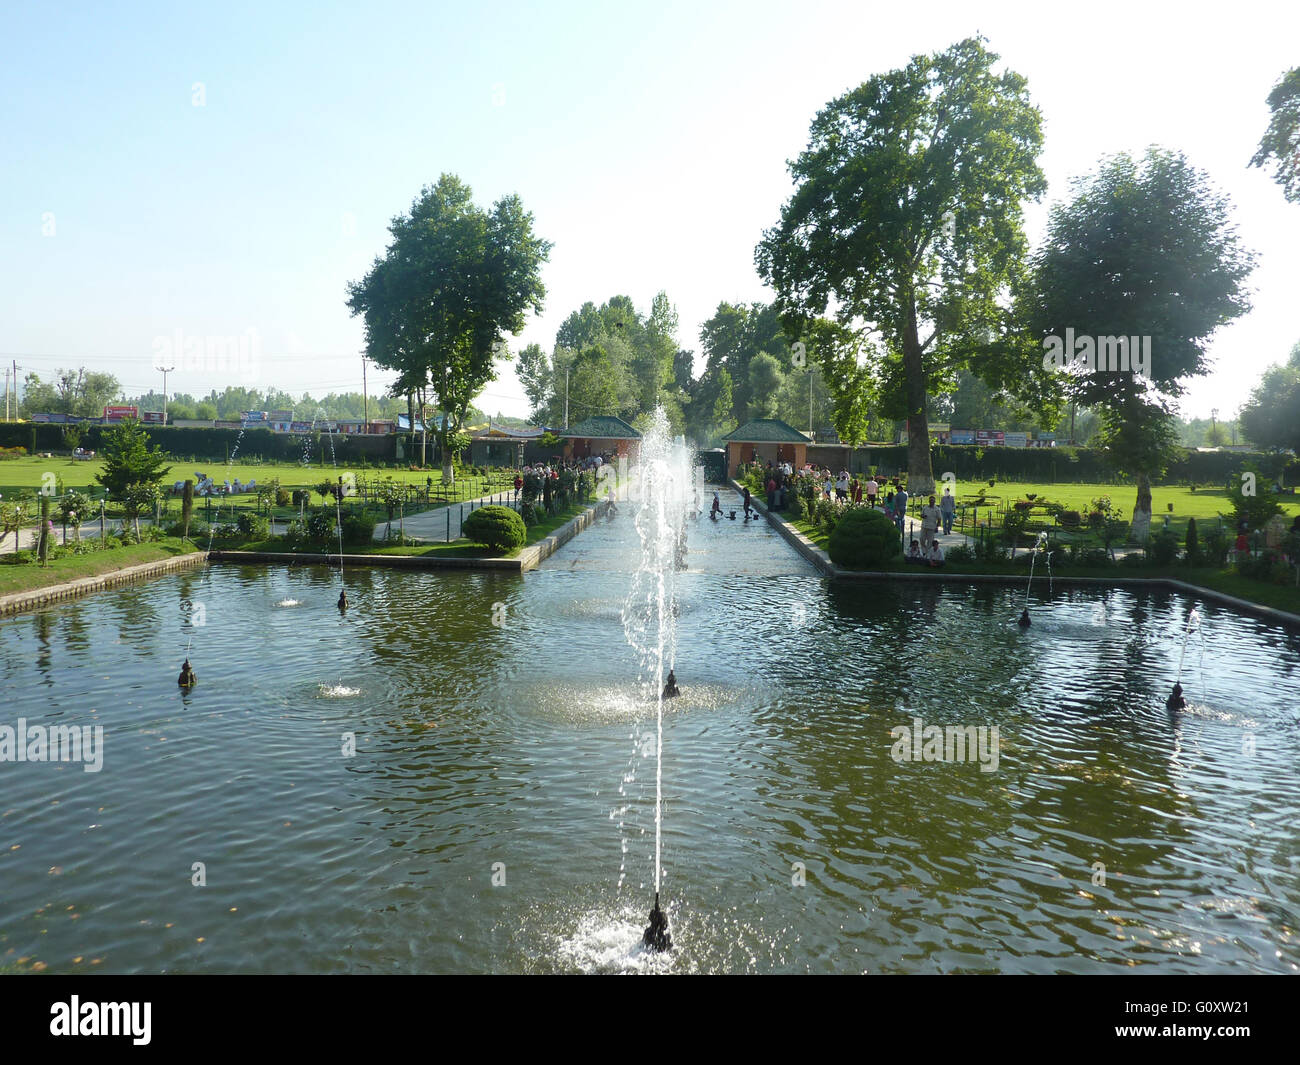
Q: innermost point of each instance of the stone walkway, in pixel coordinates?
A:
(443, 523)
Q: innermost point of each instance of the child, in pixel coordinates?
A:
(914, 552)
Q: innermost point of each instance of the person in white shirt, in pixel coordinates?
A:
(936, 554)
(930, 518)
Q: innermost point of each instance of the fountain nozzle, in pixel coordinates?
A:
(343, 600)
(1024, 618)
(656, 935)
(1176, 700)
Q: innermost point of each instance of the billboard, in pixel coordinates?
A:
(118, 413)
(991, 437)
(963, 436)
(1017, 439)
(154, 417)
(254, 415)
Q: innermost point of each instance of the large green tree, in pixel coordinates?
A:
(1280, 144)
(905, 224)
(129, 460)
(1143, 261)
(454, 278)
(1271, 417)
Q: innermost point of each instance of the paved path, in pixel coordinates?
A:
(442, 524)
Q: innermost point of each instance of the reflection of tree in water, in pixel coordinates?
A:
(44, 660)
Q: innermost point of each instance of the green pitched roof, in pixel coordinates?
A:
(766, 431)
(601, 426)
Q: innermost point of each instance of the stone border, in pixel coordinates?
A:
(529, 557)
(17, 602)
(822, 561)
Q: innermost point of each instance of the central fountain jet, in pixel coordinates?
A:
(649, 616)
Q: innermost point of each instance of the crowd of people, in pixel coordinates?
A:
(889, 497)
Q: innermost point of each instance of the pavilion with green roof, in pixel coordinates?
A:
(765, 440)
(601, 434)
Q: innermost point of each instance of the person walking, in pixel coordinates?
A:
(930, 518)
(947, 510)
(873, 490)
(900, 509)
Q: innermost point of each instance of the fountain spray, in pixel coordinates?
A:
(1176, 700)
(649, 616)
(1033, 557)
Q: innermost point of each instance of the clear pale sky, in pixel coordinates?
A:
(649, 141)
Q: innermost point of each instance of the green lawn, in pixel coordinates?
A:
(26, 475)
(1200, 504)
(26, 576)
(456, 549)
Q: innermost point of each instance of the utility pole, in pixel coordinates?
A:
(6, 393)
(365, 402)
(164, 370)
(16, 368)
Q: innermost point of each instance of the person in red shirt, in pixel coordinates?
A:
(771, 493)
(1243, 545)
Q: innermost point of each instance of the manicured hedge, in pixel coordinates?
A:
(862, 538)
(499, 528)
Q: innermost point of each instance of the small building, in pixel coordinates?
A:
(765, 440)
(497, 445)
(601, 434)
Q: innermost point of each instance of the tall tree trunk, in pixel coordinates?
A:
(920, 474)
(448, 470)
(1141, 527)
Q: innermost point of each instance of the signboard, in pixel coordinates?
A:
(153, 417)
(118, 413)
(1017, 439)
(991, 437)
(300, 427)
(1051, 437)
(227, 425)
(963, 436)
(254, 415)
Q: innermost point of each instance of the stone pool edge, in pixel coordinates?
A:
(529, 558)
(822, 561)
(18, 602)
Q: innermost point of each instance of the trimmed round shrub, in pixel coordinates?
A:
(499, 528)
(863, 538)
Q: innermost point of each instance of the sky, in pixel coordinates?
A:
(181, 173)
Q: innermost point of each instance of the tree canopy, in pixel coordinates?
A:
(435, 305)
(1280, 144)
(905, 225)
(1140, 268)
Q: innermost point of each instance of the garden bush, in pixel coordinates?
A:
(1164, 548)
(499, 528)
(320, 526)
(1192, 545)
(252, 526)
(528, 512)
(960, 553)
(1216, 548)
(863, 538)
(357, 529)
